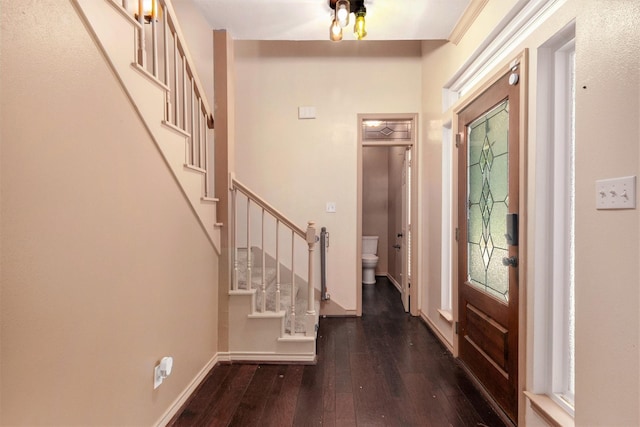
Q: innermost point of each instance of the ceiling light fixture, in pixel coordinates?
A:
(342, 10)
(358, 29)
(335, 33)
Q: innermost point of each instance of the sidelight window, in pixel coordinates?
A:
(554, 302)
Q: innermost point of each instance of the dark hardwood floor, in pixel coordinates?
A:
(384, 369)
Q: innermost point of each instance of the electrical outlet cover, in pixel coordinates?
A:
(157, 377)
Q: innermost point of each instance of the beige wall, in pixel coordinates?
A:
(105, 268)
(199, 40)
(299, 165)
(375, 201)
(607, 242)
(607, 277)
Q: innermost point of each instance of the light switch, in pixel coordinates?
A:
(616, 193)
(306, 112)
(331, 207)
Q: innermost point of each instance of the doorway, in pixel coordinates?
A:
(488, 249)
(386, 147)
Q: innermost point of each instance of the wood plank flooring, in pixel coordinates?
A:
(384, 369)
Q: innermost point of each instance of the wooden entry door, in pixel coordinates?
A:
(488, 241)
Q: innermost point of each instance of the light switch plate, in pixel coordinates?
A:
(306, 112)
(616, 193)
(331, 207)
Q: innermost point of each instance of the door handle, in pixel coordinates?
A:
(510, 261)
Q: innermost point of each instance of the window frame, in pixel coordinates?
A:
(553, 307)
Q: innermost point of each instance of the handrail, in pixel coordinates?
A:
(267, 207)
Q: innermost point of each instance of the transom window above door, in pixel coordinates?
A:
(389, 130)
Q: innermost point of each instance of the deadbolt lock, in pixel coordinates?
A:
(510, 261)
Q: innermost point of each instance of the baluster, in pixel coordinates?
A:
(311, 241)
(206, 160)
(154, 38)
(203, 134)
(199, 147)
(193, 123)
(176, 57)
(125, 4)
(184, 92)
(234, 237)
(264, 276)
(277, 309)
(165, 33)
(249, 284)
(184, 103)
(292, 327)
(141, 47)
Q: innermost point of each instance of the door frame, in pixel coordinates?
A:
(520, 59)
(414, 293)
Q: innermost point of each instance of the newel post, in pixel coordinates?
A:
(311, 241)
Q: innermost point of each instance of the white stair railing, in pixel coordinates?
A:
(162, 55)
(266, 212)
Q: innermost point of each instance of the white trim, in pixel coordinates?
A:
(188, 391)
(394, 282)
(446, 315)
(192, 168)
(468, 18)
(446, 284)
(436, 331)
(126, 14)
(240, 356)
(548, 410)
(176, 129)
(209, 199)
(551, 251)
(521, 22)
(296, 338)
(153, 79)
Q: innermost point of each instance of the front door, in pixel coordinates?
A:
(488, 240)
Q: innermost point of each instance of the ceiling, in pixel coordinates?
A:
(310, 19)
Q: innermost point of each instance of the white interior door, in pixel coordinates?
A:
(406, 229)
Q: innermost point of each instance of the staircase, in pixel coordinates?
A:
(273, 315)
(273, 310)
(164, 90)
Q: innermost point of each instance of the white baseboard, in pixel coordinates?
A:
(436, 331)
(258, 357)
(177, 404)
(394, 282)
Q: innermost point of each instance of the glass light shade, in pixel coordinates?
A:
(358, 29)
(149, 10)
(148, 7)
(343, 9)
(335, 31)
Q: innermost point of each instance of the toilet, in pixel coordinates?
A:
(369, 259)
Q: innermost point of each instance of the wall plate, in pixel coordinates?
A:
(616, 193)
